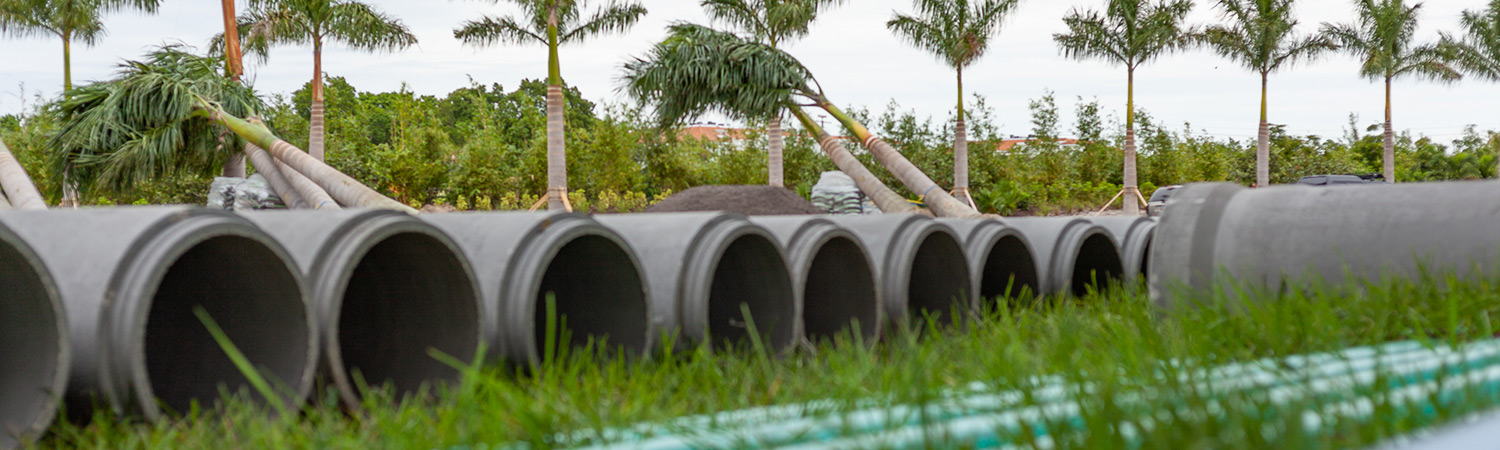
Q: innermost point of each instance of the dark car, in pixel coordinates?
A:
(1158, 202)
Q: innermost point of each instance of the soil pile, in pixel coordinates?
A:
(747, 200)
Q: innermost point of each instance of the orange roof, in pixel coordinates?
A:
(714, 133)
(1008, 144)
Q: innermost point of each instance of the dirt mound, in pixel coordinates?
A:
(747, 200)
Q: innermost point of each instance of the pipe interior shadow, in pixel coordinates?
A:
(839, 292)
(752, 273)
(29, 345)
(1097, 266)
(598, 296)
(939, 280)
(1009, 272)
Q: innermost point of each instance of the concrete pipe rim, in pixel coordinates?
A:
(902, 262)
(1085, 248)
(124, 324)
(40, 295)
(702, 267)
(520, 303)
(803, 255)
(339, 262)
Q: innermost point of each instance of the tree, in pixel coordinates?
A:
(958, 33)
(1382, 38)
(1262, 36)
(69, 20)
(552, 23)
(1129, 33)
(1478, 51)
(697, 70)
(770, 22)
(234, 66)
(313, 22)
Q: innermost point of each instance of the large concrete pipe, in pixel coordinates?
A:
(920, 265)
(131, 280)
(703, 268)
(831, 272)
(1000, 258)
(1134, 236)
(34, 348)
(389, 289)
(1073, 253)
(1291, 237)
(595, 280)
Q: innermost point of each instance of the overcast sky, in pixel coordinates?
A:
(858, 61)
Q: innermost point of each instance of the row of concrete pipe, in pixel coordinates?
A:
(101, 306)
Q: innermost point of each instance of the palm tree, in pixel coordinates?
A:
(958, 33)
(552, 23)
(234, 65)
(1262, 36)
(69, 20)
(300, 22)
(697, 70)
(1478, 51)
(1129, 33)
(1382, 39)
(770, 22)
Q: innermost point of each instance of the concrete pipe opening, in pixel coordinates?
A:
(252, 294)
(409, 294)
(1009, 271)
(33, 345)
(939, 279)
(839, 292)
(1096, 266)
(751, 274)
(598, 295)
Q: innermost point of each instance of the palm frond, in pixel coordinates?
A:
(615, 17)
(491, 30)
(361, 27)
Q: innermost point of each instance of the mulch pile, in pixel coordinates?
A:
(747, 200)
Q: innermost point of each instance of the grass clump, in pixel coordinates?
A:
(1129, 375)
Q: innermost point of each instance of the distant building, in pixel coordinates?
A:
(1007, 145)
(713, 132)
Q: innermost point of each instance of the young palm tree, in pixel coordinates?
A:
(1130, 33)
(69, 20)
(1478, 51)
(314, 22)
(697, 70)
(552, 23)
(774, 23)
(234, 65)
(1382, 38)
(958, 33)
(1261, 35)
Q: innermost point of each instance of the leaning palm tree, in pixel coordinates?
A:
(1478, 51)
(1261, 35)
(698, 70)
(552, 23)
(174, 112)
(314, 22)
(958, 33)
(774, 23)
(1382, 38)
(1130, 33)
(69, 20)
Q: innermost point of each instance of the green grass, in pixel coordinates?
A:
(1134, 358)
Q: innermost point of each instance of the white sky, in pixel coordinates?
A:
(850, 51)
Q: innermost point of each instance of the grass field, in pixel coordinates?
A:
(1137, 375)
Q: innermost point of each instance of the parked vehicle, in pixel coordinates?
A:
(1158, 202)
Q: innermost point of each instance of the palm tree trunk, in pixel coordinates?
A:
(265, 165)
(1389, 144)
(887, 200)
(234, 166)
(1132, 206)
(1263, 141)
(315, 120)
(347, 191)
(938, 200)
(67, 63)
(312, 196)
(557, 155)
(961, 147)
(774, 148)
(22, 194)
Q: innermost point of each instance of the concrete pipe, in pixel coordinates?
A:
(1134, 235)
(832, 276)
(1074, 254)
(389, 289)
(1292, 237)
(1000, 259)
(701, 268)
(920, 265)
(595, 279)
(133, 280)
(34, 347)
